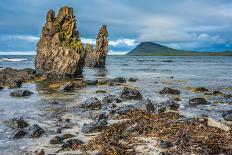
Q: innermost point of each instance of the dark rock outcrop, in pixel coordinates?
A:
(91, 103)
(17, 123)
(35, 131)
(96, 57)
(198, 101)
(94, 127)
(20, 93)
(171, 91)
(60, 52)
(130, 94)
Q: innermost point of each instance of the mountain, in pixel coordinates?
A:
(154, 49)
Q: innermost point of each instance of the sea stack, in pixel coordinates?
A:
(97, 57)
(60, 52)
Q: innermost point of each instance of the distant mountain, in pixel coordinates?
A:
(153, 49)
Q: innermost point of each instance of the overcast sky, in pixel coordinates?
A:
(199, 25)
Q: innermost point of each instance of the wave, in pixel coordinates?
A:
(13, 59)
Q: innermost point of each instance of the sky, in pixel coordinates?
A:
(195, 25)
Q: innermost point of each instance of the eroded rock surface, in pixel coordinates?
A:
(60, 51)
(96, 57)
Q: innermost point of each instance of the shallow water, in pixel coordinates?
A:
(154, 73)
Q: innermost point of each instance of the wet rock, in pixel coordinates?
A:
(92, 103)
(130, 94)
(56, 140)
(198, 101)
(170, 104)
(21, 93)
(116, 81)
(218, 93)
(132, 79)
(171, 91)
(71, 86)
(94, 127)
(111, 99)
(161, 109)
(177, 99)
(228, 96)
(91, 82)
(146, 105)
(72, 143)
(59, 130)
(17, 123)
(201, 89)
(67, 136)
(35, 131)
(102, 116)
(60, 52)
(227, 112)
(18, 134)
(228, 117)
(96, 57)
(165, 144)
(125, 110)
(102, 81)
(15, 83)
(101, 91)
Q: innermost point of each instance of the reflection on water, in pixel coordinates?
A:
(153, 73)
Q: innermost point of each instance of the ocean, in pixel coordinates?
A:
(153, 72)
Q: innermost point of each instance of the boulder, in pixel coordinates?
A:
(60, 52)
(228, 117)
(97, 126)
(97, 57)
(171, 91)
(18, 134)
(130, 94)
(21, 93)
(170, 104)
(198, 101)
(35, 131)
(17, 123)
(72, 143)
(111, 99)
(201, 89)
(91, 103)
(145, 105)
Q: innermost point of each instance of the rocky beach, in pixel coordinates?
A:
(74, 98)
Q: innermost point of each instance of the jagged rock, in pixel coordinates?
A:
(111, 99)
(171, 91)
(198, 101)
(96, 57)
(70, 86)
(18, 133)
(145, 105)
(21, 93)
(17, 123)
(91, 103)
(60, 52)
(35, 131)
(170, 104)
(116, 81)
(94, 127)
(130, 94)
(132, 79)
(56, 140)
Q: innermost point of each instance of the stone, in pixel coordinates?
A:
(130, 94)
(111, 99)
(35, 131)
(72, 143)
(171, 91)
(53, 102)
(125, 110)
(101, 91)
(56, 140)
(60, 52)
(132, 79)
(214, 123)
(228, 96)
(17, 123)
(21, 93)
(145, 105)
(18, 134)
(71, 86)
(40, 152)
(97, 57)
(15, 83)
(201, 89)
(170, 104)
(165, 144)
(198, 101)
(91, 82)
(91, 103)
(67, 136)
(102, 81)
(228, 117)
(216, 92)
(94, 127)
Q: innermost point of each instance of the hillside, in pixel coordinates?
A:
(153, 49)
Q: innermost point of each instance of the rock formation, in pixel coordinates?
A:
(60, 52)
(96, 57)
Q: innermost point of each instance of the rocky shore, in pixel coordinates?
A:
(123, 123)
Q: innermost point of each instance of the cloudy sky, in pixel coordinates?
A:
(199, 25)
